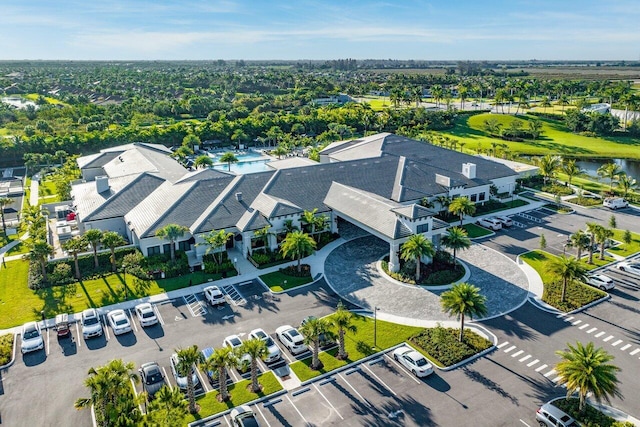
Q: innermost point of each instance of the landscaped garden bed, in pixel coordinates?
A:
(558, 208)
(441, 271)
(6, 348)
(442, 347)
(264, 258)
(492, 206)
(589, 416)
(475, 231)
(586, 201)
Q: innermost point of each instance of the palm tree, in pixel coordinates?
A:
(4, 202)
(549, 165)
(592, 230)
(172, 232)
(229, 158)
(263, 234)
(456, 238)
(571, 169)
(74, 247)
(444, 201)
(256, 349)
(436, 93)
(309, 218)
(216, 240)
(415, 248)
(187, 359)
(341, 320)
(112, 240)
(298, 245)
(40, 251)
(627, 183)
(611, 171)
(567, 269)
(93, 238)
(462, 206)
(312, 330)
(221, 359)
(463, 299)
(601, 236)
(203, 161)
(280, 151)
(585, 370)
(580, 241)
(167, 409)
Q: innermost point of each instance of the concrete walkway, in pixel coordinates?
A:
(35, 188)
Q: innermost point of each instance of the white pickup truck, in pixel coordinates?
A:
(615, 203)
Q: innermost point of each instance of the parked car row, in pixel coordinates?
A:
(495, 223)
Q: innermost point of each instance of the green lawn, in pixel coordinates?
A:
(47, 192)
(21, 304)
(276, 281)
(358, 345)
(240, 394)
(556, 138)
(475, 231)
(624, 249)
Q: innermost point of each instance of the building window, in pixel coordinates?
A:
(153, 250)
(482, 196)
(184, 245)
(166, 248)
(423, 228)
(474, 198)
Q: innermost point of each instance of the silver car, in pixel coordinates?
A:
(601, 281)
(91, 325)
(31, 338)
(273, 351)
(119, 322)
(552, 416)
(181, 380)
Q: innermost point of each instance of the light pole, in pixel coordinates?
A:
(235, 264)
(375, 326)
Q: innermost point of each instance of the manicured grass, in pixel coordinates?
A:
(5, 240)
(276, 281)
(475, 231)
(586, 201)
(240, 394)
(6, 348)
(556, 138)
(358, 345)
(34, 96)
(577, 294)
(494, 206)
(624, 249)
(48, 194)
(21, 304)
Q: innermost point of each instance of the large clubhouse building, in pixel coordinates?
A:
(375, 183)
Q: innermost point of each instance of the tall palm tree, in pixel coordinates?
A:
(298, 245)
(4, 202)
(571, 169)
(592, 230)
(602, 235)
(462, 206)
(568, 269)
(341, 320)
(312, 330)
(256, 349)
(610, 171)
(215, 240)
(74, 247)
(112, 240)
(456, 238)
(627, 183)
(187, 359)
(549, 166)
(263, 234)
(443, 201)
(463, 299)
(580, 241)
(415, 248)
(585, 370)
(203, 161)
(93, 237)
(40, 251)
(172, 232)
(222, 359)
(229, 158)
(309, 218)
(167, 409)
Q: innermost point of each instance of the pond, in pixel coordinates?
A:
(630, 167)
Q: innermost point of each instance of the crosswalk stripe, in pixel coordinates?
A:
(530, 364)
(568, 319)
(599, 334)
(556, 379)
(577, 322)
(517, 353)
(551, 372)
(510, 348)
(625, 347)
(635, 351)
(540, 368)
(525, 358)
(503, 344)
(591, 330)
(586, 325)
(616, 343)
(607, 339)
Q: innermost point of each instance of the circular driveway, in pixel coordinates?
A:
(351, 270)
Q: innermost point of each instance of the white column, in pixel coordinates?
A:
(394, 261)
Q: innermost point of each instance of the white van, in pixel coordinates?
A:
(615, 203)
(490, 223)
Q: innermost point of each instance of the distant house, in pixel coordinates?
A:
(602, 108)
(334, 99)
(376, 183)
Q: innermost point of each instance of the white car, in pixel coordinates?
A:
(214, 295)
(235, 343)
(119, 322)
(273, 351)
(91, 325)
(615, 203)
(601, 281)
(31, 338)
(505, 220)
(630, 267)
(490, 223)
(413, 361)
(181, 380)
(146, 314)
(243, 416)
(291, 338)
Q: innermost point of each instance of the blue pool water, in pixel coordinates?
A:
(245, 167)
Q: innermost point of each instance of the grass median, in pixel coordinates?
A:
(279, 282)
(475, 231)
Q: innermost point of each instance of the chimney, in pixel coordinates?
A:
(102, 183)
(469, 170)
(239, 196)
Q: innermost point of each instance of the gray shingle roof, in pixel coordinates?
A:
(97, 160)
(252, 220)
(414, 211)
(271, 206)
(141, 159)
(87, 199)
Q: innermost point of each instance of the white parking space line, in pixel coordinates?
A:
(164, 371)
(380, 381)
(106, 327)
(533, 363)
(525, 358)
(607, 339)
(615, 344)
(157, 311)
(591, 330)
(517, 353)
(325, 398)
(283, 350)
(525, 423)
(261, 414)
(204, 384)
(586, 325)
(503, 344)
(133, 322)
(599, 334)
(401, 367)
(551, 372)
(540, 368)
(297, 410)
(48, 346)
(233, 374)
(355, 391)
(510, 349)
(635, 351)
(556, 379)
(625, 347)
(79, 336)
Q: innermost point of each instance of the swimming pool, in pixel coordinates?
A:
(242, 168)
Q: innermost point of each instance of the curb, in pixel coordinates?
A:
(13, 356)
(477, 355)
(464, 278)
(292, 289)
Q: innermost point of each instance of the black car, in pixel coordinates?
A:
(152, 378)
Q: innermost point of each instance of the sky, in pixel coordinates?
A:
(329, 29)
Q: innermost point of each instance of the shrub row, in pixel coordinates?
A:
(577, 295)
(442, 345)
(590, 416)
